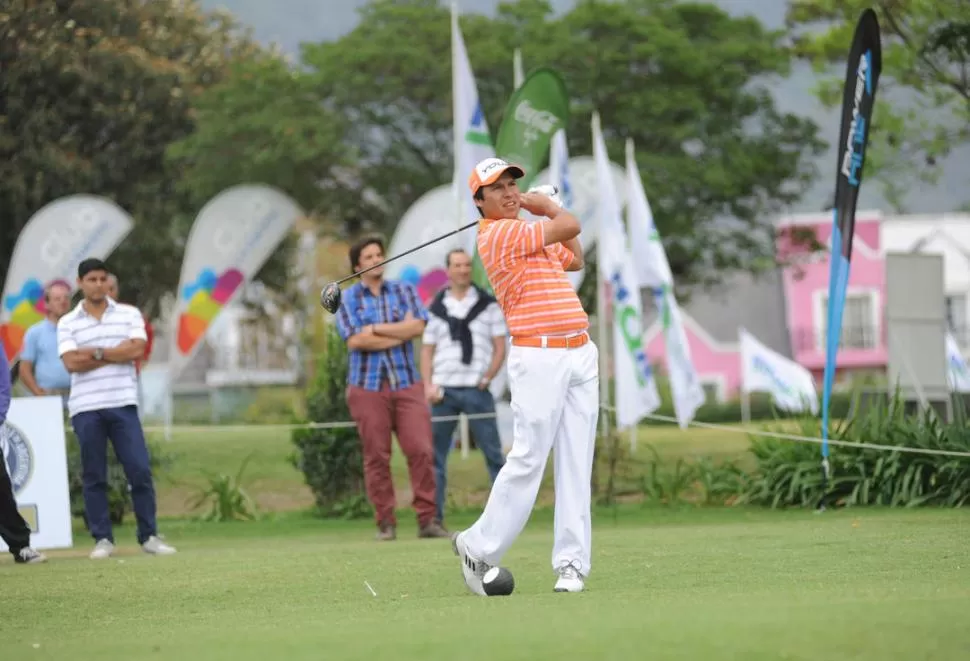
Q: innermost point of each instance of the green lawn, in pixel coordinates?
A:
(277, 486)
(688, 583)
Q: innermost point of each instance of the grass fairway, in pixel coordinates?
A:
(685, 583)
(278, 487)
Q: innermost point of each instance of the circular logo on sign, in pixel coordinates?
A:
(16, 455)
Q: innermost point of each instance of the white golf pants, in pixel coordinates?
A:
(555, 406)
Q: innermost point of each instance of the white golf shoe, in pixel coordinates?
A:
(155, 546)
(570, 579)
(103, 549)
(472, 569)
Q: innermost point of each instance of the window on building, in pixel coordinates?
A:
(713, 389)
(859, 330)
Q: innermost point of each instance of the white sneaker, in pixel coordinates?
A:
(29, 556)
(103, 549)
(472, 569)
(570, 580)
(155, 546)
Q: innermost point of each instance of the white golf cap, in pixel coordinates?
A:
(489, 170)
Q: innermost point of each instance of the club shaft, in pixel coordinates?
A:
(407, 252)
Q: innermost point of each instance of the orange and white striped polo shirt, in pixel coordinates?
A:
(529, 279)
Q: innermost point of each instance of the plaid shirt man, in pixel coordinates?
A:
(360, 308)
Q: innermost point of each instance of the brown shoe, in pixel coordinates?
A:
(433, 530)
(386, 533)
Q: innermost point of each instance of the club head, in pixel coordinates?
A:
(330, 297)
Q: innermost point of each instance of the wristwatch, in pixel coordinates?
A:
(98, 353)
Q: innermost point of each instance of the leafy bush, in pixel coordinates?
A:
(228, 500)
(620, 475)
(670, 482)
(119, 499)
(331, 459)
(789, 474)
(720, 483)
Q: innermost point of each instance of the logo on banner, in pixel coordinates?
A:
(537, 122)
(26, 308)
(477, 134)
(17, 455)
(761, 365)
(675, 347)
(428, 284)
(856, 139)
(629, 322)
(206, 297)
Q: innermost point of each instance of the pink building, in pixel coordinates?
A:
(806, 281)
(712, 320)
(786, 309)
(718, 363)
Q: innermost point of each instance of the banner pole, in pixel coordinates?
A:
(604, 344)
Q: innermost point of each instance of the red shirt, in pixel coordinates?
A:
(148, 345)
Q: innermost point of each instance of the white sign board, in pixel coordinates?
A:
(34, 448)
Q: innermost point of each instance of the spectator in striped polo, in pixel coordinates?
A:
(461, 352)
(99, 342)
(379, 319)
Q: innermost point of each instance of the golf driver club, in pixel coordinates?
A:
(330, 294)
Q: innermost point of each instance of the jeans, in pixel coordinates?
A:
(485, 431)
(123, 427)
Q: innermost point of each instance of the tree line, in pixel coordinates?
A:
(159, 106)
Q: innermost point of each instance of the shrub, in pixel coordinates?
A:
(619, 475)
(789, 474)
(119, 499)
(720, 483)
(331, 459)
(226, 497)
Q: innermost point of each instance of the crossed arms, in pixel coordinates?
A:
(377, 337)
(83, 360)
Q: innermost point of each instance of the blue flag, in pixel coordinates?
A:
(858, 98)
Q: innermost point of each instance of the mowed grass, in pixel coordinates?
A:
(689, 583)
(276, 485)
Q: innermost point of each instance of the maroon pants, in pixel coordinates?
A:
(406, 412)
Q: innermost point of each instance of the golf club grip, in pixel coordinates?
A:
(408, 252)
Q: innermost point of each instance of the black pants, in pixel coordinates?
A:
(13, 529)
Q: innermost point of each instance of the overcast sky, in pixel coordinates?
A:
(290, 22)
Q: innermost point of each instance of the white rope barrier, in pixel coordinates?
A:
(808, 439)
(661, 418)
(289, 427)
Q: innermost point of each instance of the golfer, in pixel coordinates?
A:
(553, 377)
